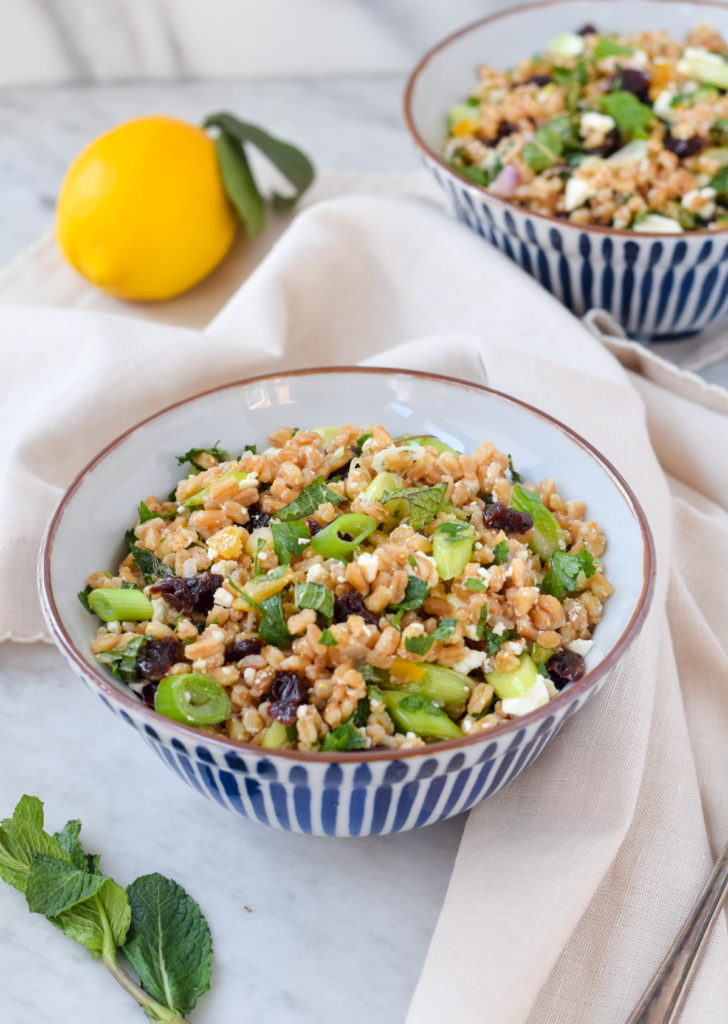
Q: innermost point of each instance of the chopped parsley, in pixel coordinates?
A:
(563, 574)
(192, 456)
(494, 641)
(475, 584)
(422, 644)
(145, 513)
(360, 442)
(500, 552)
(344, 737)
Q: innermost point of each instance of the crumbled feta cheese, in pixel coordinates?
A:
(581, 647)
(499, 628)
(249, 675)
(369, 563)
(655, 222)
(577, 193)
(316, 574)
(379, 461)
(662, 107)
(159, 609)
(593, 121)
(225, 567)
(700, 201)
(469, 662)
(189, 568)
(222, 598)
(531, 699)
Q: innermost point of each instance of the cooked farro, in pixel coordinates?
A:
(625, 131)
(345, 590)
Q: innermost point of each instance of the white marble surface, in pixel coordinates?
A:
(305, 931)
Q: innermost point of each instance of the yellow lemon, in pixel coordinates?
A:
(142, 212)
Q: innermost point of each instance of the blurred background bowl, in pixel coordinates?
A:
(658, 287)
(364, 792)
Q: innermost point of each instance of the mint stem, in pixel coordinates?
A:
(150, 1006)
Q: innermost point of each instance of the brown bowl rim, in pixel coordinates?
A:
(497, 201)
(128, 701)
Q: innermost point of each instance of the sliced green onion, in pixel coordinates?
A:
(192, 699)
(330, 543)
(383, 483)
(114, 605)
(452, 547)
(415, 713)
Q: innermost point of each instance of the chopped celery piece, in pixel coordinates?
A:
(706, 67)
(516, 683)
(342, 537)
(568, 44)
(463, 112)
(717, 153)
(428, 439)
(541, 654)
(547, 534)
(327, 434)
(444, 685)
(275, 736)
(198, 499)
(114, 605)
(415, 713)
(452, 547)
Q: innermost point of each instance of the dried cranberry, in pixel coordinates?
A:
(500, 517)
(242, 646)
(586, 30)
(157, 656)
(536, 80)
(612, 142)
(147, 694)
(565, 667)
(632, 80)
(286, 693)
(351, 603)
(257, 517)
(202, 589)
(313, 527)
(175, 592)
(684, 147)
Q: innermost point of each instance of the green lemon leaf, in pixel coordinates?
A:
(290, 161)
(239, 183)
(169, 943)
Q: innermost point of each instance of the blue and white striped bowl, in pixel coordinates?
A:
(658, 287)
(366, 792)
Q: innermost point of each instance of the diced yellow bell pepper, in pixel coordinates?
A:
(262, 587)
(228, 542)
(406, 671)
(467, 126)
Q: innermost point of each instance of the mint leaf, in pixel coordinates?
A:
(169, 943)
(273, 626)
(500, 552)
(145, 513)
(719, 181)
(328, 639)
(146, 561)
(192, 456)
(343, 737)
(100, 923)
(359, 443)
(55, 886)
(21, 839)
(68, 840)
(562, 576)
(124, 662)
(289, 539)
(608, 48)
(317, 493)
(424, 502)
(361, 715)
(317, 597)
(632, 117)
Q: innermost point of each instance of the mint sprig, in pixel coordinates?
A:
(154, 924)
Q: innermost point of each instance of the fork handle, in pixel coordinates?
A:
(664, 997)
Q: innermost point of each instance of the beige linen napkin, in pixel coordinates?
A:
(570, 884)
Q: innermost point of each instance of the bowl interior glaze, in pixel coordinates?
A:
(86, 534)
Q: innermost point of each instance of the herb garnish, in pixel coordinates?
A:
(422, 644)
(474, 584)
(500, 552)
(317, 597)
(146, 561)
(123, 662)
(424, 502)
(145, 513)
(632, 117)
(192, 456)
(289, 539)
(328, 639)
(563, 573)
(343, 737)
(154, 923)
(317, 493)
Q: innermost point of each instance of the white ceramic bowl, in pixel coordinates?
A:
(659, 287)
(364, 792)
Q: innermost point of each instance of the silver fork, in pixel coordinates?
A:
(664, 997)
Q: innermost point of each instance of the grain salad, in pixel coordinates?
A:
(624, 131)
(347, 590)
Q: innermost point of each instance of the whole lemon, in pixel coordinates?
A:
(142, 211)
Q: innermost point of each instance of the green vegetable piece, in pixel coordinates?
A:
(317, 493)
(709, 68)
(275, 736)
(477, 175)
(419, 644)
(424, 502)
(415, 594)
(516, 683)
(382, 484)
(112, 605)
(197, 500)
(193, 455)
(501, 552)
(472, 583)
(361, 715)
(609, 48)
(493, 641)
(327, 434)
(146, 561)
(632, 117)
(412, 712)
(461, 112)
(83, 598)
(452, 548)
(429, 440)
(563, 574)
(332, 542)
(21, 839)
(145, 513)
(273, 626)
(547, 534)
(541, 654)
(568, 44)
(344, 737)
(373, 675)
(444, 685)
(328, 639)
(169, 943)
(193, 699)
(317, 597)
(124, 662)
(719, 181)
(360, 442)
(289, 539)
